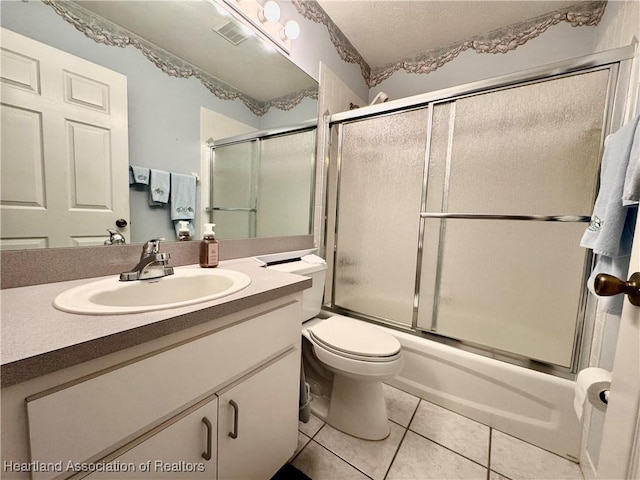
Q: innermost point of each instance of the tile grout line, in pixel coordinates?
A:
(343, 459)
(406, 429)
(489, 454)
(448, 448)
(444, 446)
(311, 437)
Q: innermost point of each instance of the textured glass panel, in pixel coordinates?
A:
(532, 149)
(233, 172)
(514, 286)
(233, 225)
(232, 186)
(285, 184)
(381, 180)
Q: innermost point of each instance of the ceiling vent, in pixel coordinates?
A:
(232, 32)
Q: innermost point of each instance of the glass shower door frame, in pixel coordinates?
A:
(618, 62)
(257, 137)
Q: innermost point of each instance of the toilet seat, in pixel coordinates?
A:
(353, 339)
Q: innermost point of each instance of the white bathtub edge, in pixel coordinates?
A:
(529, 405)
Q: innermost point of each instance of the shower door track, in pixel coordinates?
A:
(622, 55)
(485, 216)
(618, 61)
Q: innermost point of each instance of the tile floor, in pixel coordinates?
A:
(426, 442)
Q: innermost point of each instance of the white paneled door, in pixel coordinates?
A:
(64, 147)
(620, 449)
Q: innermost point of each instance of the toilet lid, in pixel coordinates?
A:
(354, 337)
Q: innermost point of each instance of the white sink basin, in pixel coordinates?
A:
(185, 287)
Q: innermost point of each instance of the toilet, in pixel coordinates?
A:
(360, 356)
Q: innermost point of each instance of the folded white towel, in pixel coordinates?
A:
(610, 233)
(159, 188)
(131, 179)
(183, 196)
(140, 175)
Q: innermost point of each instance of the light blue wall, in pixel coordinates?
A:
(164, 111)
(307, 109)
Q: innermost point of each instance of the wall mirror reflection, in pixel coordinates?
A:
(262, 184)
(91, 88)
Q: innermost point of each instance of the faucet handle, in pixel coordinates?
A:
(151, 247)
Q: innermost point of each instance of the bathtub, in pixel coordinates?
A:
(530, 405)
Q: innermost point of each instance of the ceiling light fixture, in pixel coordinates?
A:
(264, 18)
(291, 30)
(270, 12)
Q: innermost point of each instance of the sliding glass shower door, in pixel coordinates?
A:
(525, 152)
(462, 217)
(262, 185)
(381, 172)
(234, 194)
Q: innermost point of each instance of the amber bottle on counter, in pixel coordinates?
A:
(209, 247)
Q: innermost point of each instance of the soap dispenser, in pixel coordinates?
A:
(183, 232)
(209, 247)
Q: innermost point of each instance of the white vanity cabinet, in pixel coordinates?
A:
(243, 377)
(182, 447)
(257, 418)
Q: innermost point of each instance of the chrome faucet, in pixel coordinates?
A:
(115, 238)
(152, 264)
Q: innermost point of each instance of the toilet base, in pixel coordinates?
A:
(358, 408)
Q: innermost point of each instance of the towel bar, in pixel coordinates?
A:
(230, 209)
(484, 216)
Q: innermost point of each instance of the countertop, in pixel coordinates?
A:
(39, 339)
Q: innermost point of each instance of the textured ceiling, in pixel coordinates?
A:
(384, 31)
(184, 28)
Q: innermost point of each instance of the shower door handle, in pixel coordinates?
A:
(607, 285)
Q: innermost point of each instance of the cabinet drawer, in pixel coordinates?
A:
(88, 420)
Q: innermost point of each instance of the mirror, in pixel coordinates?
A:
(262, 183)
(192, 74)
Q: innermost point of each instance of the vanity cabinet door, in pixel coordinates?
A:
(258, 421)
(182, 447)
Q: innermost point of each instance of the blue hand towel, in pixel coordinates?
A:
(183, 196)
(631, 192)
(159, 188)
(140, 175)
(610, 232)
(605, 232)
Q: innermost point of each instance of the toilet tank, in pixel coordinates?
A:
(308, 266)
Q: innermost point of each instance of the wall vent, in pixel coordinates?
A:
(232, 32)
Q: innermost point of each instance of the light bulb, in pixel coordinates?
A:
(291, 30)
(270, 12)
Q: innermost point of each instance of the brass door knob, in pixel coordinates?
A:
(607, 285)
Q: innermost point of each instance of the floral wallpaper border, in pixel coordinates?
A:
(108, 33)
(501, 40)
